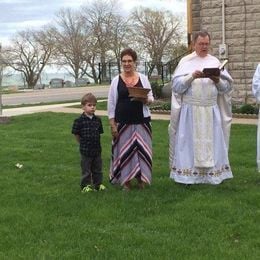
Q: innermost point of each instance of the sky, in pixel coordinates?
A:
(18, 15)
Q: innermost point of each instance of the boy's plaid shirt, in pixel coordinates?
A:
(89, 130)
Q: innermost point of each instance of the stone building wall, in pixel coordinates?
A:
(242, 36)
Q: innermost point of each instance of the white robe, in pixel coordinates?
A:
(200, 123)
(256, 93)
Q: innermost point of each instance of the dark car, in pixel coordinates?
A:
(56, 83)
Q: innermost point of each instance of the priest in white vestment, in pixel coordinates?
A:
(200, 118)
(256, 93)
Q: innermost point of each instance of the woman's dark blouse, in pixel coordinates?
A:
(128, 111)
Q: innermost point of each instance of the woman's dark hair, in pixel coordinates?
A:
(130, 52)
(201, 34)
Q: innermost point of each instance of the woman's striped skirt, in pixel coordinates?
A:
(132, 154)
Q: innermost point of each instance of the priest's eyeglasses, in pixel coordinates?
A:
(202, 44)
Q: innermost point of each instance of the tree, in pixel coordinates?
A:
(88, 38)
(1, 69)
(119, 36)
(157, 32)
(72, 42)
(28, 54)
(102, 18)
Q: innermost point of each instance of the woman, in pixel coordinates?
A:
(130, 126)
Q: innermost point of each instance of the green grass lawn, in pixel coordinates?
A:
(44, 216)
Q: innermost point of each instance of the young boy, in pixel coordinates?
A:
(87, 129)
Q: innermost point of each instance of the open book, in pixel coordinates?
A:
(208, 72)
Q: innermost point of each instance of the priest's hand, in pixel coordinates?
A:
(197, 74)
(215, 79)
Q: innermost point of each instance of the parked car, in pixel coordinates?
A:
(68, 84)
(40, 86)
(56, 83)
(82, 82)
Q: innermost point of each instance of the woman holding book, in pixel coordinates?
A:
(129, 118)
(200, 118)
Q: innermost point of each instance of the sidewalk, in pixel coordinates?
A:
(66, 108)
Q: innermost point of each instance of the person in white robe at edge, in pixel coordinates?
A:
(200, 118)
(256, 93)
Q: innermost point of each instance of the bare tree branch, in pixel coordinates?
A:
(28, 54)
(156, 32)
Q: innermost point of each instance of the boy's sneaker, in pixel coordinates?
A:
(88, 188)
(101, 187)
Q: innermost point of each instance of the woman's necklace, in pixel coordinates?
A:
(130, 81)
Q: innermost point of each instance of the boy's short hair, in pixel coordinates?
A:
(88, 98)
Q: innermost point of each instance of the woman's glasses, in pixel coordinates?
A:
(127, 61)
